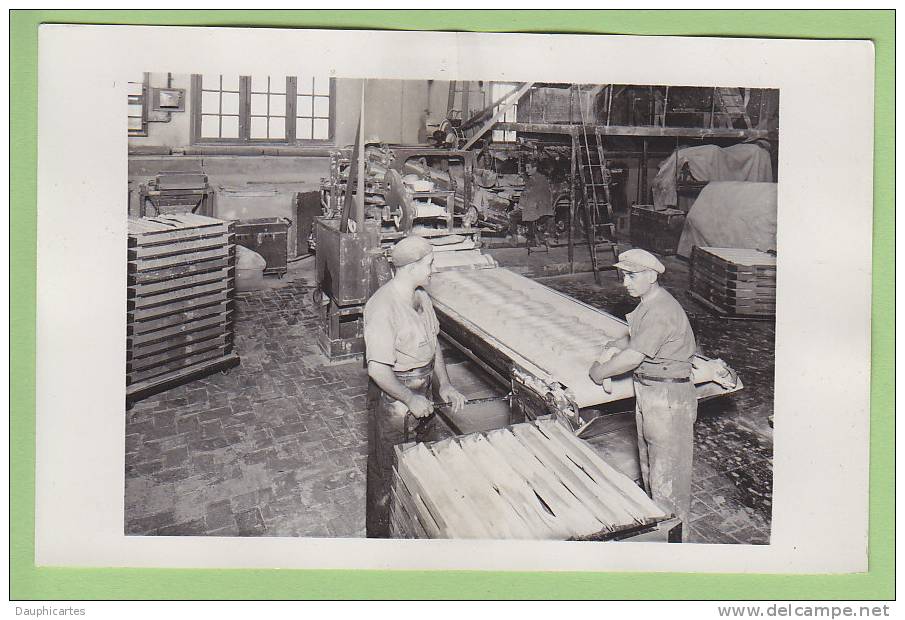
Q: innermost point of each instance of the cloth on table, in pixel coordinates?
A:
(731, 215)
(739, 162)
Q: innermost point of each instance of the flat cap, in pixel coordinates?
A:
(410, 249)
(638, 260)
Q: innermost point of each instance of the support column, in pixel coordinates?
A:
(574, 192)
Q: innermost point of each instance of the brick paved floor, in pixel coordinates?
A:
(277, 447)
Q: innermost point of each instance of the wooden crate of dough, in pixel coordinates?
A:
(734, 282)
(181, 282)
(534, 480)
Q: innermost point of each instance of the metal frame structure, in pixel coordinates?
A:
(601, 130)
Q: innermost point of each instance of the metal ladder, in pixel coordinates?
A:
(732, 105)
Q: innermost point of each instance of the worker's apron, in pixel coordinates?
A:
(665, 412)
(389, 425)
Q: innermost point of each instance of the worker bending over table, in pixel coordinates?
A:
(658, 351)
(400, 332)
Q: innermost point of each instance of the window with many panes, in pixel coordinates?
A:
(271, 109)
(313, 108)
(137, 92)
(498, 90)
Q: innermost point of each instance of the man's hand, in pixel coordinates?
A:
(420, 406)
(594, 372)
(605, 382)
(607, 385)
(617, 362)
(449, 394)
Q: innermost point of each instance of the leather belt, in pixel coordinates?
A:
(415, 373)
(641, 377)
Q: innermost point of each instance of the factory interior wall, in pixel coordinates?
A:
(395, 110)
(175, 132)
(261, 186)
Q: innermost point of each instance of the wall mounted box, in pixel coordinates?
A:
(168, 99)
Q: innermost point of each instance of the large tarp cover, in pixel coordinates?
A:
(740, 162)
(731, 214)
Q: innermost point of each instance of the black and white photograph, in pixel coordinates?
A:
(450, 309)
(369, 297)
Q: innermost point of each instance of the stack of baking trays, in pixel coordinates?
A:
(180, 301)
(734, 282)
(534, 480)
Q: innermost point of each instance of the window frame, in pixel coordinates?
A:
(504, 136)
(143, 99)
(245, 117)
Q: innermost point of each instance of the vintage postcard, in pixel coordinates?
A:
(452, 300)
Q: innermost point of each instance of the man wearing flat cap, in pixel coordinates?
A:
(400, 332)
(658, 351)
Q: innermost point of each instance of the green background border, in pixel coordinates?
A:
(28, 582)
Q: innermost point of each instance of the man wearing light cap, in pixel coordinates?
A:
(658, 351)
(400, 332)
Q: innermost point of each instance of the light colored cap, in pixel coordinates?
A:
(410, 249)
(638, 260)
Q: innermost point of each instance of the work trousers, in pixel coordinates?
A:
(665, 414)
(388, 421)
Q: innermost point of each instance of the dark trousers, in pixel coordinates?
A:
(388, 421)
(530, 225)
(665, 414)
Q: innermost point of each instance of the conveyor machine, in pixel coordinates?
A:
(540, 342)
(512, 470)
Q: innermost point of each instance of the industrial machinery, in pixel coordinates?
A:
(407, 183)
(375, 195)
(176, 192)
(544, 452)
(347, 242)
(540, 342)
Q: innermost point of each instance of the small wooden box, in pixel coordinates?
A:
(657, 231)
